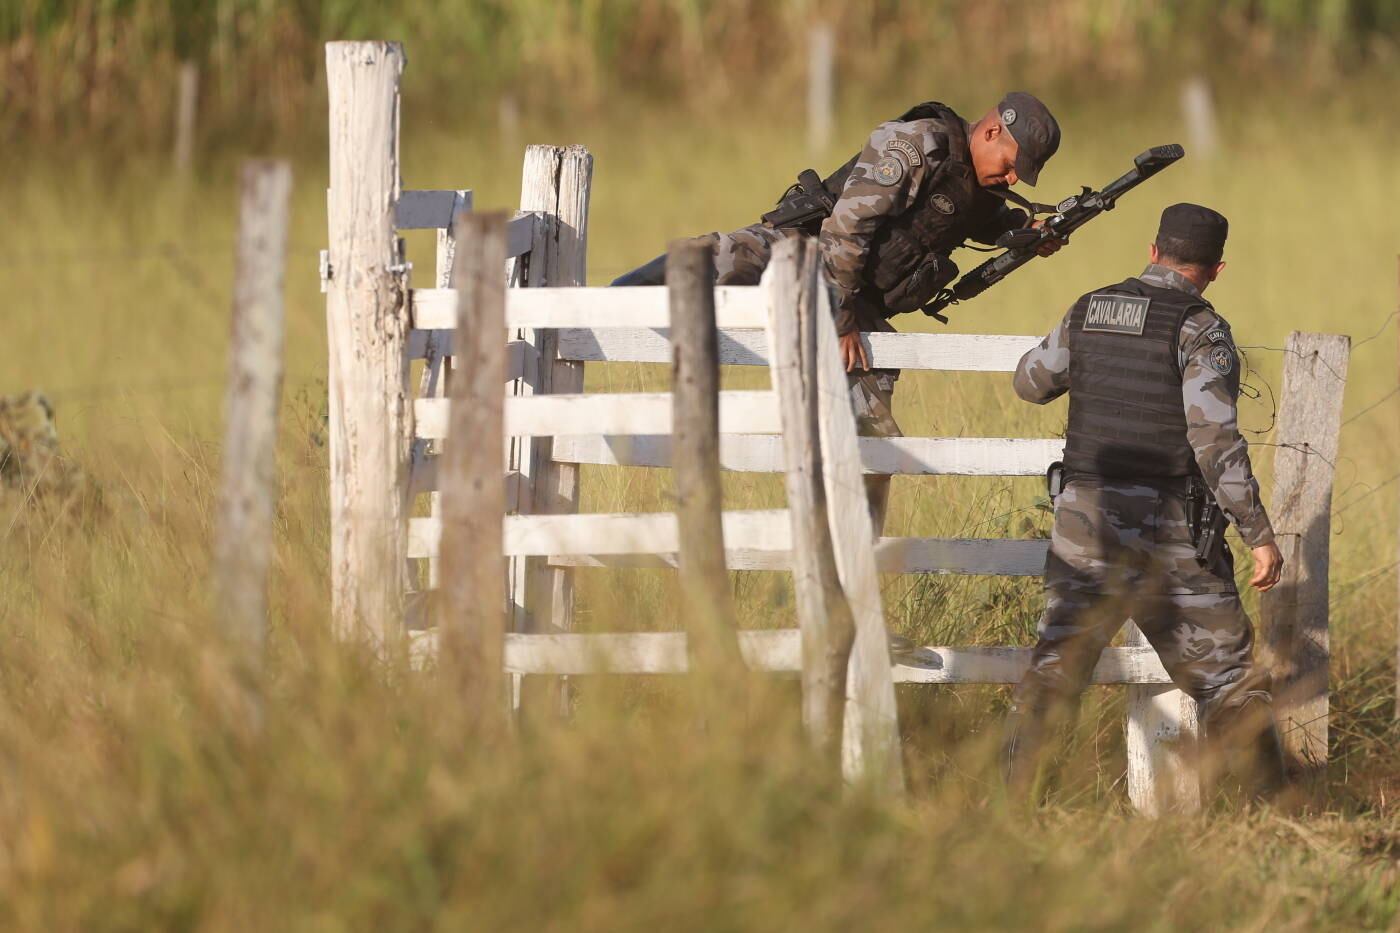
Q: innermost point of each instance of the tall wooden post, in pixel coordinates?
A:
(1198, 112)
(791, 282)
(243, 536)
(1397, 573)
(821, 54)
(186, 113)
(1296, 610)
(367, 325)
(472, 603)
(1163, 765)
(556, 182)
(709, 603)
(437, 364)
(870, 736)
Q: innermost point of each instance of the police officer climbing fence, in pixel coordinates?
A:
(887, 222)
(1154, 466)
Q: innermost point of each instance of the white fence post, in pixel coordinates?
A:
(556, 182)
(1162, 735)
(1198, 110)
(186, 113)
(367, 324)
(437, 366)
(243, 536)
(821, 54)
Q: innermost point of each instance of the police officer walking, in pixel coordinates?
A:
(1154, 463)
(887, 222)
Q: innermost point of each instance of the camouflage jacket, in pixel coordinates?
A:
(1209, 397)
(910, 199)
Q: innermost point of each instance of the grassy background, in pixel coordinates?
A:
(130, 795)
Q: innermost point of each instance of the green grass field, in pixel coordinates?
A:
(131, 797)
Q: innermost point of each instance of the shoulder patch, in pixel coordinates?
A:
(908, 150)
(1219, 335)
(888, 171)
(1116, 314)
(942, 203)
(1222, 359)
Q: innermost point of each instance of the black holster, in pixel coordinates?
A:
(1206, 521)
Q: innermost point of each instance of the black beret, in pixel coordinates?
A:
(1197, 225)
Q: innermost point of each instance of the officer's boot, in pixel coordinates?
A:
(1033, 717)
(653, 273)
(1244, 742)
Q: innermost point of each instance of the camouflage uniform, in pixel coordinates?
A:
(902, 160)
(1122, 549)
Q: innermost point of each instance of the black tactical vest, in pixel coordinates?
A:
(1126, 418)
(902, 248)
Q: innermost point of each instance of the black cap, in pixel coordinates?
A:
(1203, 229)
(1035, 131)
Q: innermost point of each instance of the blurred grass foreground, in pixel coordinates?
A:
(135, 794)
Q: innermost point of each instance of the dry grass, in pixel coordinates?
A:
(132, 797)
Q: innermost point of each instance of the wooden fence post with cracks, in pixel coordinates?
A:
(472, 599)
(1296, 611)
(704, 579)
(824, 616)
(367, 322)
(248, 492)
(870, 736)
(557, 182)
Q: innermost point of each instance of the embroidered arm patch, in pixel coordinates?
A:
(888, 171)
(906, 149)
(1222, 359)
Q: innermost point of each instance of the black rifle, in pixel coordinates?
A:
(1070, 214)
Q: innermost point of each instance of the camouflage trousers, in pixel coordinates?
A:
(740, 258)
(1123, 551)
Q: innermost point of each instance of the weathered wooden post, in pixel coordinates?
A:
(1198, 111)
(437, 364)
(1162, 734)
(556, 182)
(367, 326)
(248, 492)
(709, 604)
(870, 736)
(472, 597)
(821, 54)
(1296, 611)
(824, 616)
(186, 113)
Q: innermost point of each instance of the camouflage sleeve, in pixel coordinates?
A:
(1210, 386)
(1043, 373)
(883, 182)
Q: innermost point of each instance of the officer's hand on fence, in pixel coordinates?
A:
(853, 351)
(1268, 567)
(1049, 246)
